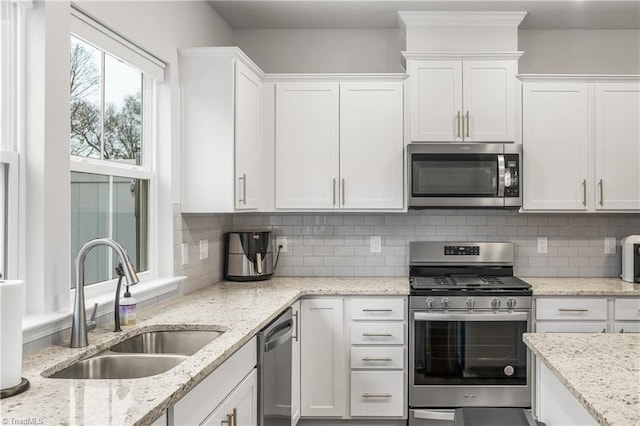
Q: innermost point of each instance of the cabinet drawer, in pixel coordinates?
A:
(627, 327)
(627, 309)
(571, 327)
(377, 358)
(377, 309)
(377, 393)
(581, 308)
(377, 333)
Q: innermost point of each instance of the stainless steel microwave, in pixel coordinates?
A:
(472, 175)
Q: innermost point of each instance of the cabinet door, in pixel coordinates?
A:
(307, 145)
(555, 146)
(247, 137)
(295, 365)
(617, 142)
(371, 146)
(571, 327)
(436, 100)
(488, 99)
(323, 364)
(241, 406)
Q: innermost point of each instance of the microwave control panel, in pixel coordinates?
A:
(511, 176)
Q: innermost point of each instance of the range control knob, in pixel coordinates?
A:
(511, 303)
(471, 303)
(445, 302)
(431, 303)
(495, 303)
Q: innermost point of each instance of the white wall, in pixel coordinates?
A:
(323, 50)
(579, 51)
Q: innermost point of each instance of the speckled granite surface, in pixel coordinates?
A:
(240, 308)
(601, 370)
(582, 287)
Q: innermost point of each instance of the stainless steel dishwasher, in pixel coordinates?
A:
(274, 372)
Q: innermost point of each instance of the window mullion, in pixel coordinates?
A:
(102, 105)
(110, 225)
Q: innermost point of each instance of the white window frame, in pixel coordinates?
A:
(12, 129)
(104, 39)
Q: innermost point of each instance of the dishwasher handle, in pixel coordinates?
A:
(278, 336)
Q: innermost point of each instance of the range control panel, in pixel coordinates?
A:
(461, 250)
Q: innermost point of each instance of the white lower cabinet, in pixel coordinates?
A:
(229, 394)
(323, 368)
(295, 365)
(555, 405)
(587, 314)
(241, 407)
(377, 393)
(352, 358)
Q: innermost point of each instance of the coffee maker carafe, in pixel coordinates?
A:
(248, 256)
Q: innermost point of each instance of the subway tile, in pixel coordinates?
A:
(487, 230)
(323, 251)
(568, 271)
(355, 220)
(497, 220)
(292, 220)
(374, 261)
(363, 271)
(446, 230)
(302, 250)
(538, 261)
(334, 241)
(407, 230)
(384, 271)
(354, 261)
(527, 231)
(558, 261)
(353, 241)
(309, 240)
(395, 241)
(312, 261)
(395, 219)
(374, 220)
(547, 272)
(558, 221)
(589, 251)
(425, 230)
(323, 271)
(334, 261)
(343, 271)
(364, 230)
(343, 230)
(476, 220)
(517, 220)
(456, 220)
(334, 220)
(466, 230)
(343, 251)
(303, 271)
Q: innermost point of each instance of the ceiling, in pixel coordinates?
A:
(541, 14)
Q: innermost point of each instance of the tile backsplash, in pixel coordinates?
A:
(337, 244)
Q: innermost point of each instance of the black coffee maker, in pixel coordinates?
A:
(248, 256)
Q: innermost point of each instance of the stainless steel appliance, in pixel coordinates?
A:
(248, 256)
(274, 372)
(467, 315)
(465, 175)
(631, 259)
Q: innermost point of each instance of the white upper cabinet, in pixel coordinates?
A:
(371, 146)
(339, 145)
(221, 117)
(617, 146)
(307, 145)
(463, 100)
(581, 144)
(555, 146)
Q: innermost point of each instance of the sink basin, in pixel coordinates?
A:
(181, 342)
(144, 355)
(120, 366)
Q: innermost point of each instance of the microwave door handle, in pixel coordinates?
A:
(501, 176)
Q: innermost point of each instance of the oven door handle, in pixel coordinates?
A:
(454, 316)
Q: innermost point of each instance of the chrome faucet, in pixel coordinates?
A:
(79, 330)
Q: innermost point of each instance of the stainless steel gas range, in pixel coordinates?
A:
(467, 315)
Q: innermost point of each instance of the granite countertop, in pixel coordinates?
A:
(242, 309)
(582, 287)
(601, 370)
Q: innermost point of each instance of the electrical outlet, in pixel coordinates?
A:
(609, 245)
(543, 245)
(204, 249)
(376, 244)
(281, 241)
(185, 253)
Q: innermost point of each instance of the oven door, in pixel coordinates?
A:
(468, 359)
(457, 175)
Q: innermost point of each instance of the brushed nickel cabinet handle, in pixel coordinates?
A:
(385, 359)
(243, 178)
(584, 192)
(334, 191)
(377, 334)
(601, 185)
(376, 395)
(458, 123)
(467, 124)
(376, 310)
(343, 196)
(573, 310)
(297, 335)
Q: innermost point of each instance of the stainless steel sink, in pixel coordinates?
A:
(120, 366)
(144, 355)
(182, 342)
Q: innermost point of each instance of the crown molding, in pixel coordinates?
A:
(222, 52)
(578, 77)
(424, 18)
(334, 77)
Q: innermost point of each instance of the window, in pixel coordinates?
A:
(111, 143)
(11, 60)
